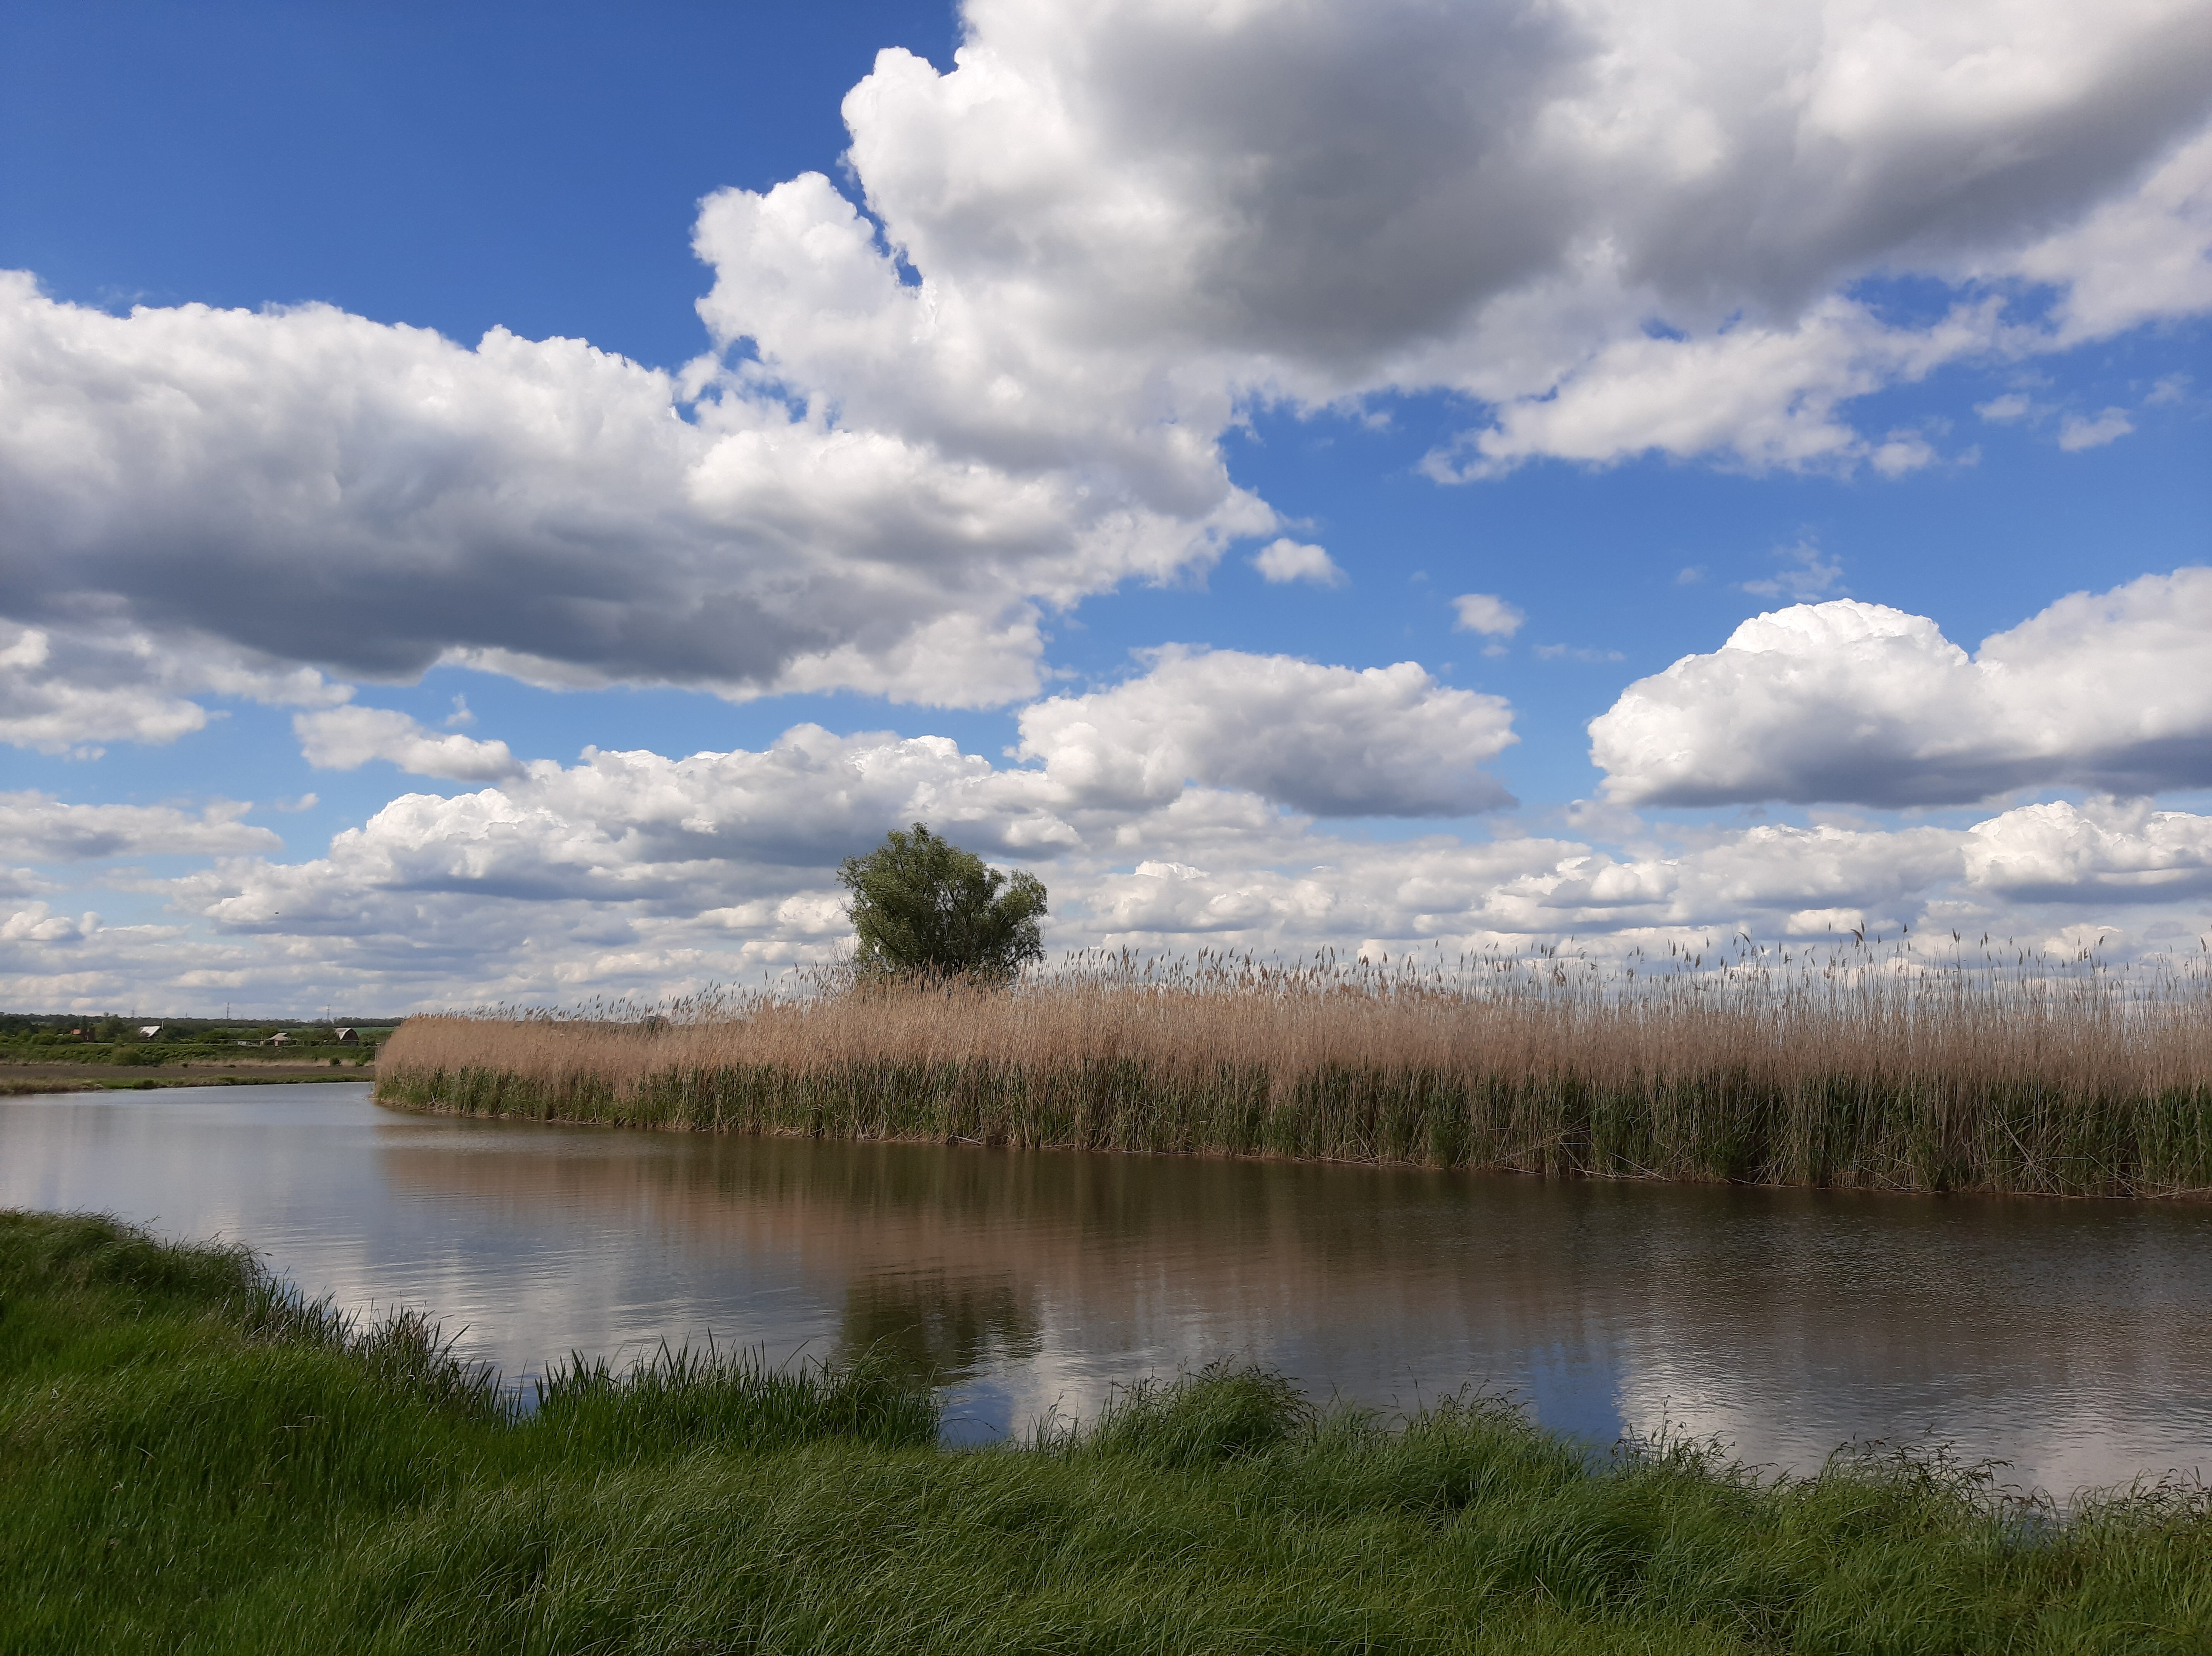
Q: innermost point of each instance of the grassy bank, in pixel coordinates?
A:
(1795, 1070)
(27, 1081)
(195, 1460)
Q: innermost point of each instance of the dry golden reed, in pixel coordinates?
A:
(1904, 1072)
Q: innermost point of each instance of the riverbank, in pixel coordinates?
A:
(24, 1079)
(199, 1461)
(1860, 1079)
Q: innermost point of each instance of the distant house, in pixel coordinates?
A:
(148, 1032)
(349, 1037)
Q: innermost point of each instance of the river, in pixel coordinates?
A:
(2070, 1339)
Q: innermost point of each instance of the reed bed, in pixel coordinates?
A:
(1900, 1068)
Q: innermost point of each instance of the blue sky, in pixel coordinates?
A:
(1629, 324)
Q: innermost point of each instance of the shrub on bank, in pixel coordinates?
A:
(199, 1459)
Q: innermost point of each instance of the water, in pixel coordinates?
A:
(2071, 1339)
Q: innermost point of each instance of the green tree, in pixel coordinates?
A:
(921, 904)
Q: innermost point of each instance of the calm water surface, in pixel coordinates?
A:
(2073, 1340)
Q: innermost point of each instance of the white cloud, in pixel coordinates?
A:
(2138, 256)
(1851, 702)
(347, 738)
(1824, 923)
(633, 871)
(377, 499)
(1803, 574)
(1286, 560)
(37, 923)
(1385, 741)
(2109, 850)
(2080, 431)
(1762, 395)
(1576, 653)
(57, 962)
(43, 829)
(69, 688)
(1113, 227)
(1487, 614)
(1901, 452)
(679, 834)
(2013, 405)
(1161, 202)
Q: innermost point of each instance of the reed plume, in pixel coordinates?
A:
(1910, 1070)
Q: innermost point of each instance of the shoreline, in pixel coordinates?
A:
(630, 1116)
(201, 1459)
(1815, 1078)
(126, 1078)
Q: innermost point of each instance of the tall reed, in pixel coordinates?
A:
(1909, 1069)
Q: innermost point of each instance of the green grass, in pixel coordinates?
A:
(153, 1054)
(193, 1459)
(16, 1086)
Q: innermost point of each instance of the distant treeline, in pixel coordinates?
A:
(39, 1040)
(114, 1027)
(1804, 1069)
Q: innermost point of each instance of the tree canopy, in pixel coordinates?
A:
(920, 904)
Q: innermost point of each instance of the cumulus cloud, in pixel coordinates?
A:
(997, 384)
(71, 688)
(1331, 198)
(313, 486)
(2137, 257)
(1487, 614)
(1765, 396)
(2042, 873)
(1285, 560)
(1385, 741)
(46, 830)
(637, 871)
(347, 738)
(1852, 702)
(39, 924)
(2110, 850)
(636, 826)
(1804, 574)
(23, 882)
(2080, 431)
(53, 961)
(446, 892)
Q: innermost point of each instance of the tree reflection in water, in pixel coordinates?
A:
(939, 1324)
(2069, 1338)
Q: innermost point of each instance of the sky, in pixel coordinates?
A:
(495, 502)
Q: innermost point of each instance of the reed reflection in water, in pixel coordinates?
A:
(2068, 1337)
